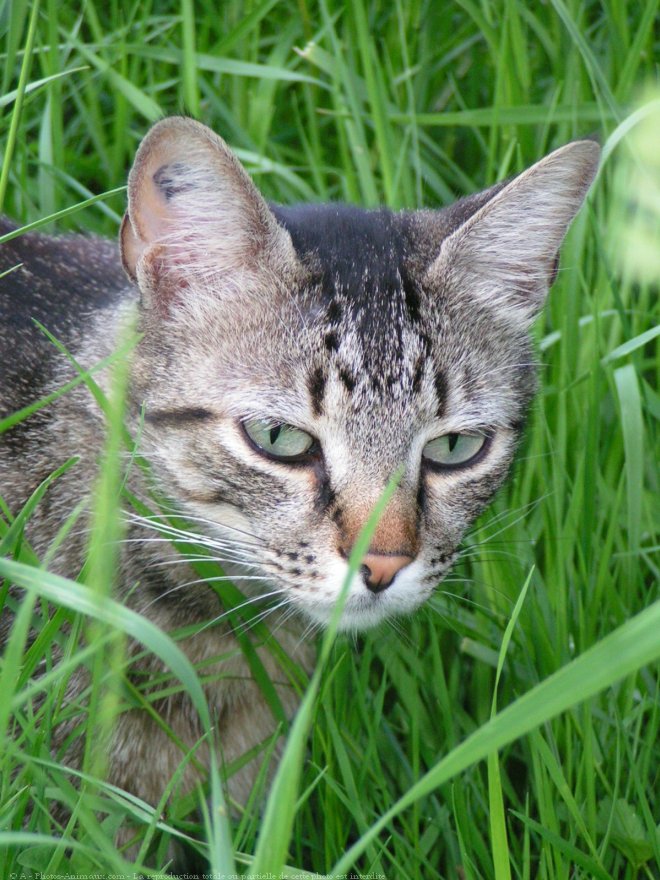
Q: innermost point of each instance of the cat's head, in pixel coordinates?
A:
(294, 359)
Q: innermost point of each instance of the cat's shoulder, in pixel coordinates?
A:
(58, 281)
(58, 277)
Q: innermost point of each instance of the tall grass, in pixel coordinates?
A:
(511, 728)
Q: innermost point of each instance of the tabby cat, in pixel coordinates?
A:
(291, 360)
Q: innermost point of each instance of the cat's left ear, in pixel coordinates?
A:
(194, 216)
(506, 253)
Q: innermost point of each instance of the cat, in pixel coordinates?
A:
(291, 360)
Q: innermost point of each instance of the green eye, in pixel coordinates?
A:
(454, 450)
(279, 440)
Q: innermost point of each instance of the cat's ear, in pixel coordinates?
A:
(194, 214)
(506, 252)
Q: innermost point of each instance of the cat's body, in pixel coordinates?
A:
(292, 360)
(76, 287)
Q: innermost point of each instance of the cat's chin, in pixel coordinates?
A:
(361, 614)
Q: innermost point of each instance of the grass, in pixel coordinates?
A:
(511, 728)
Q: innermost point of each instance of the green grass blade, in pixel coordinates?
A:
(632, 426)
(590, 60)
(10, 145)
(643, 33)
(84, 377)
(275, 832)
(9, 97)
(233, 67)
(631, 345)
(189, 66)
(143, 103)
(11, 536)
(499, 842)
(12, 661)
(377, 101)
(59, 215)
(521, 114)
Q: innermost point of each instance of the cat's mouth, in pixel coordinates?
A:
(365, 608)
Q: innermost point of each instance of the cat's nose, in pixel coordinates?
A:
(380, 569)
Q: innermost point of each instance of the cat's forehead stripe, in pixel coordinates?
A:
(347, 378)
(316, 387)
(331, 340)
(412, 298)
(440, 384)
(334, 314)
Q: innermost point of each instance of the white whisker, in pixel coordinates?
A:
(251, 601)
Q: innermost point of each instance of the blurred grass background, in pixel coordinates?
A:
(408, 104)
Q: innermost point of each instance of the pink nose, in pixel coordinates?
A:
(380, 569)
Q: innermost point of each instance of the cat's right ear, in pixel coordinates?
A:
(506, 253)
(194, 215)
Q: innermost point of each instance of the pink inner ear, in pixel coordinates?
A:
(149, 212)
(146, 222)
(131, 247)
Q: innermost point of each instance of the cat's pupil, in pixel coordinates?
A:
(274, 433)
(452, 440)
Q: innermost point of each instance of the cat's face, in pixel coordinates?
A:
(294, 360)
